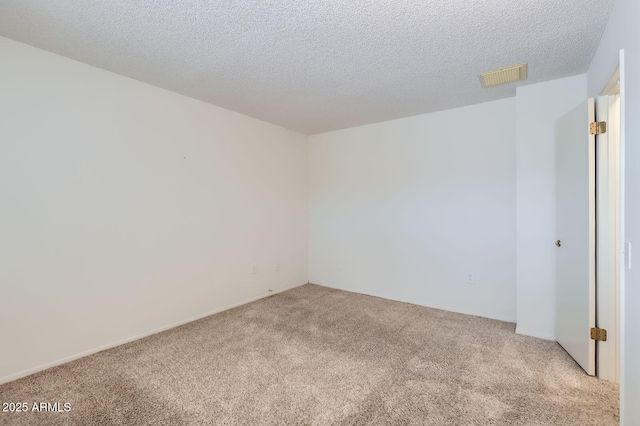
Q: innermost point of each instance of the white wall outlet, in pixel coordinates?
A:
(471, 279)
(277, 267)
(254, 269)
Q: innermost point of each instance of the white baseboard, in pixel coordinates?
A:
(413, 302)
(30, 371)
(545, 336)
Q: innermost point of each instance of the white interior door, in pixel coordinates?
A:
(575, 229)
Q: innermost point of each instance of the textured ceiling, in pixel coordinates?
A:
(318, 65)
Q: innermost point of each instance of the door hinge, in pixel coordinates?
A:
(599, 334)
(598, 127)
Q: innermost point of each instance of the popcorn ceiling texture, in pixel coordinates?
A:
(318, 356)
(318, 66)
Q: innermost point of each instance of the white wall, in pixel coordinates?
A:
(623, 32)
(405, 209)
(538, 107)
(125, 208)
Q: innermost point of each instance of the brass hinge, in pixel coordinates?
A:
(599, 334)
(598, 128)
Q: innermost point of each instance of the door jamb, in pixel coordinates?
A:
(610, 248)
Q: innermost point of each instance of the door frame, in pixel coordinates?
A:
(610, 224)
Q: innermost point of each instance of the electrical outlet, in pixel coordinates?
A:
(471, 279)
(277, 267)
(254, 269)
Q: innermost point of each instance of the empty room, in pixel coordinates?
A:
(319, 213)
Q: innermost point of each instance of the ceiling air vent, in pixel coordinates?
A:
(504, 75)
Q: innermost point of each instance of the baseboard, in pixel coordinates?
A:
(545, 336)
(30, 371)
(413, 302)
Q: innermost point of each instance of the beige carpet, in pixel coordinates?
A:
(315, 356)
